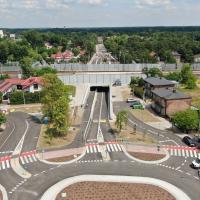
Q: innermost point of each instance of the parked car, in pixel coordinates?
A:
(132, 100)
(137, 105)
(189, 141)
(117, 83)
(196, 163)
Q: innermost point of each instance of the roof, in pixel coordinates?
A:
(158, 81)
(175, 53)
(170, 94)
(6, 84)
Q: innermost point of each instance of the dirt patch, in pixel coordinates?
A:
(129, 134)
(63, 159)
(45, 142)
(144, 115)
(114, 191)
(147, 156)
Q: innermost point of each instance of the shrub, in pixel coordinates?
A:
(186, 120)
(138, 91)
(18, 97)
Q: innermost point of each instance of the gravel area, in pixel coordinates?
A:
(113, 191)
(147, 156)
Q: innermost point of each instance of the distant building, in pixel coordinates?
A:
(176, 56)
(167, 102)
(66, 56)
(197, 58)
(153, 83)
(48, 45)
(12, 36)
(1, 34)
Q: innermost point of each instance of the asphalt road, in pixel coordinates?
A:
(176, 170)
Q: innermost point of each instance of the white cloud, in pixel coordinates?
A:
(92, 2)
(152, 3)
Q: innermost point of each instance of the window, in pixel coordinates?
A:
(35, 86)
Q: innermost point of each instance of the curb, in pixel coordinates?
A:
(147, 162)
(61, 163)
(4, 193)
(53, 191)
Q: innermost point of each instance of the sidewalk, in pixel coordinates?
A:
(60, 153)
(151, 149)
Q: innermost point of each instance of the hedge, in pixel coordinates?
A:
(18, 97)
(138, 91)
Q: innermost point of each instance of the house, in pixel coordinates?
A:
(67, 55)
(32, 84)
(176, 56)
(48, 45)
(1, 34)
(153, 83)
(12, 36)
(197, 58)
(167, 102)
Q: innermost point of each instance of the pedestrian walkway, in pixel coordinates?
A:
(25, 158)
(110, 147)
(28, 157)
(183, 151)
(5, 162)
(5, 152)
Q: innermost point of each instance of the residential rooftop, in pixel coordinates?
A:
(158, 81)
(170, 94)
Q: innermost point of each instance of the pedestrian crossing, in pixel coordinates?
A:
(183, 151)
(110, 147)
(24, 158)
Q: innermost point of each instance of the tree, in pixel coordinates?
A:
(26, 66)
(153, 72)
(187, 77)
(186, 120)
(55, 105)
(122, 119)
(2, 118)
(44, 70)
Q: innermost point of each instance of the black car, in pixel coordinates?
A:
(188, 140)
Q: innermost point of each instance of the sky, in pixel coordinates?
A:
(98, 13)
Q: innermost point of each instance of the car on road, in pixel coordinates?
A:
(196, 163)
(189, 141)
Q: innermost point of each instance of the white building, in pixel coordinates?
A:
(1, 34)
(12, 36)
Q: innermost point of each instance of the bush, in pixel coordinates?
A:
(138, 91)
(18, 97)
(186, 120)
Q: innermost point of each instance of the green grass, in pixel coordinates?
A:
(194, 93)
(72, 89)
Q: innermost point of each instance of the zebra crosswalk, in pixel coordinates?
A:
(183, 151)
(24, 158)
(28, 157)
(110, 147)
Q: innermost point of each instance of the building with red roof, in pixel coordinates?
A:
(32, 84)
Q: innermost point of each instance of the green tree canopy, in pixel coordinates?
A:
(122, 119)
(55, 103)
(186, 120)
